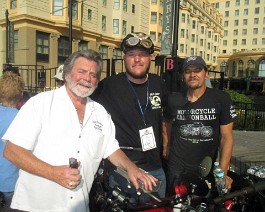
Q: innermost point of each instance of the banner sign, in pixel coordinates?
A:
(166, 38)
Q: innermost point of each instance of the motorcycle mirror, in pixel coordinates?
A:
(205, 166)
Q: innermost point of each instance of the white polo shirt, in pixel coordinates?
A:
(48, 125)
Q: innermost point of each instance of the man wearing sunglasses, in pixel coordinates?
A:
(135, 100)
(202, 122)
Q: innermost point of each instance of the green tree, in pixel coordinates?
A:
(238, 97)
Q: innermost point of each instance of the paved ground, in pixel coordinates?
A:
(249, 149)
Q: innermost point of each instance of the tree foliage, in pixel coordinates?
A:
(238, 97)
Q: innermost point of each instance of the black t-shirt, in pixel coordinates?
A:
(120, 98)
(196, 127)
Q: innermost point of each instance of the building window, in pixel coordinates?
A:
(227, 4)
(57, 7)
(83, 45)
(254, 41)
(246, 2)
(161, 3)
(237, 2)
(116, 4)
(244, 41)
(160, 19)
(193, 24)
(104, 3)
(153, 36)
(263, 31)
(236, 32)
(202, 29)
(257, 1)
(256, 20)
(15, 39)
(226, 23)
(42, 46)
(89, 14)
(209, 46)
(236, 12)
(261, 68)
(209, 34)
(181, 48)
(75, 10)
(225, 33)
(215, 49)
(257, 10)
(201, 42)
(115, 26)
(125, 3)
(63, 49)
(124, 27)
(245, 21)
(182, 33)
(245, 11)
(236, 23)
(154, 2)
(226, 13)
(255, 31)
(183, 17)
(132, 29)
(103, 51)
(159, 37)
(235, 42)
(133, 8)
(215, 38)
(193, 38)
(153, 17)
(13, 4)
(103, 20)
(117, 54)
(244, 31)
(192, 52)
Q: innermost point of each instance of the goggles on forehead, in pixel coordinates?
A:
(140, 39)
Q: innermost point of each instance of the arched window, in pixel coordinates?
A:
(224, 68)
(240, 68)
(262, 68)
(251, 67)
(234, 69)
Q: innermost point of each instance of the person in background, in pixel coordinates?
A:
(135, 100)
(202, 122)
(11, 90)
(58, 140)
(59, 77)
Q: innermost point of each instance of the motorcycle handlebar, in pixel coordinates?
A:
(244, 191)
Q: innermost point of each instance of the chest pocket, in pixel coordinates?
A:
(93, 144)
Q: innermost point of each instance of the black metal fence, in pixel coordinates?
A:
(250, 116)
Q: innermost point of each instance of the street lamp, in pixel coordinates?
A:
(70, 14)
(176, 25)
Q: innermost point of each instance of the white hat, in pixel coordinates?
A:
(59, 73)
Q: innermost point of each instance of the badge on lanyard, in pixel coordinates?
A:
(147, 138)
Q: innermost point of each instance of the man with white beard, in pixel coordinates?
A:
(61, 126)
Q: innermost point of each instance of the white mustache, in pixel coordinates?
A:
(82, 82)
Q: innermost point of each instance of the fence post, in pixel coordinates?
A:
(245, 118)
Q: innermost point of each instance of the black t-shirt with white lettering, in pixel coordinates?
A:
(196, 127)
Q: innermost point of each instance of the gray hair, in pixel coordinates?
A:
(89, 55)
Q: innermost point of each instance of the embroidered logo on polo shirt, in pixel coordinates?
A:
(98, 125)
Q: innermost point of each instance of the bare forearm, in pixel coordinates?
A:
(26, 161)
(226, 147)
(119, 159)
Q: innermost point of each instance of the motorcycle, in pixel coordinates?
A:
(194, 193)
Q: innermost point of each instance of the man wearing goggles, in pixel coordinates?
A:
(135, 99)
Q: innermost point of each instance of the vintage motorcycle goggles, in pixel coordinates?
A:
(140, 39)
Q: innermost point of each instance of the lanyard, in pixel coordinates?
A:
(142, 110)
